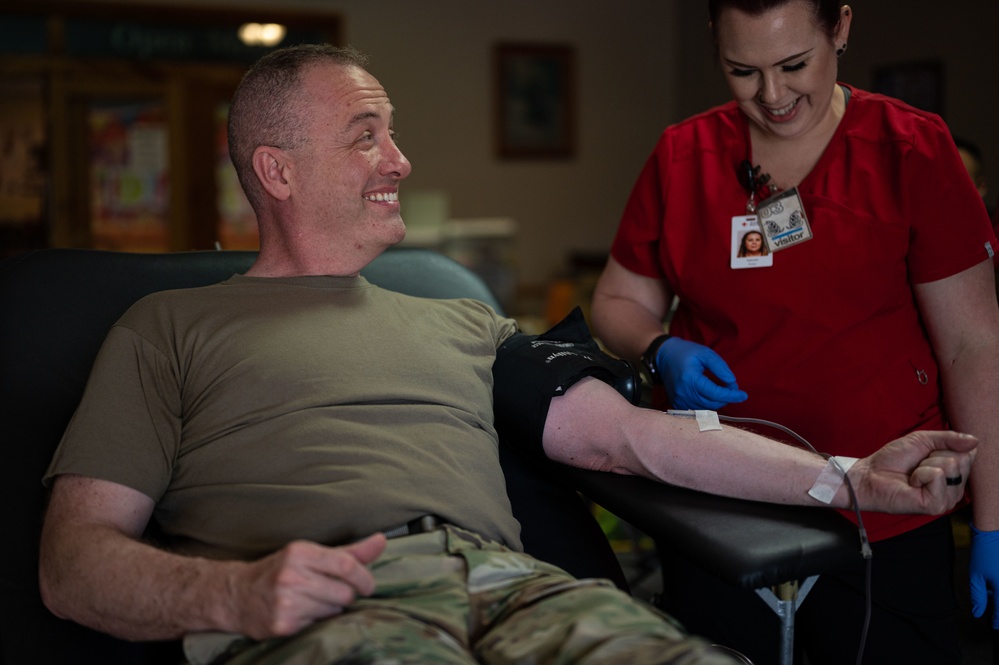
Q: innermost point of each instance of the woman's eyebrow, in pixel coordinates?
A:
(735, 63)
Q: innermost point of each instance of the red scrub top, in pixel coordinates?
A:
(828, 341)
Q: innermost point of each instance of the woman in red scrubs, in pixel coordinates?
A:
(874, 313)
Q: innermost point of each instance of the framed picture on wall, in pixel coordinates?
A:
(534, 99)
(919, 84)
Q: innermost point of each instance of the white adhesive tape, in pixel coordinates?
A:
(707, 420)
(831, 479)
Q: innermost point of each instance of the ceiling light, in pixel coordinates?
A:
(262, 34)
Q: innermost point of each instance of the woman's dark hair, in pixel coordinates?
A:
(826, 12)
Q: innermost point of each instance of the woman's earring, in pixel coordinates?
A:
(841, 50)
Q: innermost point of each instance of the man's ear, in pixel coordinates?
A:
(272, 168)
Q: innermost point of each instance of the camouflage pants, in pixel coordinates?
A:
(450, 596)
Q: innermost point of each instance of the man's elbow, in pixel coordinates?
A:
(588, 428)
(56, 574)
(572, 452)
(52, 591)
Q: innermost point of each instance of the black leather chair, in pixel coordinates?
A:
(56, 307)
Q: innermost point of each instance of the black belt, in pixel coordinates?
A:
(419, 525)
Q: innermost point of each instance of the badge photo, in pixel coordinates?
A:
(749, 249)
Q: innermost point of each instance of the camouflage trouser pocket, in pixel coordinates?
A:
(491, 565)
(523, 610)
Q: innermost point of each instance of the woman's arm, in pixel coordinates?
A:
(628, 310)
(962, 318)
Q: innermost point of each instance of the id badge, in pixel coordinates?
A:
(783, 220)
(749, 249)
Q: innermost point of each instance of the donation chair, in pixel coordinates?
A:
(57, 305)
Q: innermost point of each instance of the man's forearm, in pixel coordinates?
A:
(131, 590)
(645, 442)
(95, 570)
(593, 427)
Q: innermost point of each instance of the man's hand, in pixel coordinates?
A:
(910, 474)
(984, 565)
(300, 584)
(683, 364)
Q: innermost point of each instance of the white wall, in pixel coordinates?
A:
(435, 59)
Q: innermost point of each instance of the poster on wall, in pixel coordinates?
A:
(534, 98)
(129, 177)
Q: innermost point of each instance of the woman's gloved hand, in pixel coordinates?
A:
(984, 568)
(682, 366)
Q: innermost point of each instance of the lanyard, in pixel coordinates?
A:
(755, 183)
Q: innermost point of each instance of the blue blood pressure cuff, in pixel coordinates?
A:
(532, 369)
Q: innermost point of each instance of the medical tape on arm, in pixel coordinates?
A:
(831, 478)
(707, 421)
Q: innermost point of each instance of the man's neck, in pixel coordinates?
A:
(269, 265)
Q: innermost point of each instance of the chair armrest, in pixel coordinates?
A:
(747, 543)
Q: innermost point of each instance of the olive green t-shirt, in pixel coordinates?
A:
(261, 410)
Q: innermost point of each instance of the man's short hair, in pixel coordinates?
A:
(265, 109)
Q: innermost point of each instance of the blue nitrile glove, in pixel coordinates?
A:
(984, 568)
(682, 365)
